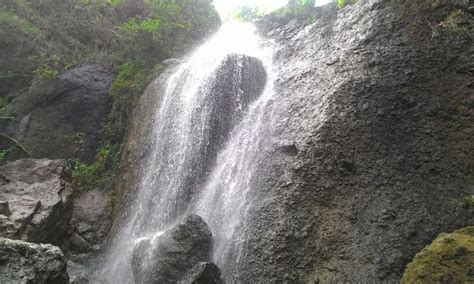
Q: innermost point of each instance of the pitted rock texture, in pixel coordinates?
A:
(61, 118)
(168, 258)
(22, 262)
(382, 116)
(39, 200)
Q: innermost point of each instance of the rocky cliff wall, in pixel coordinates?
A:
(378, 106)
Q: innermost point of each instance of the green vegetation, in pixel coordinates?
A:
(469, 199)
(305, 10)
(131, 37)
(46, 72)
(300, 9)
(448, 259)
(450, 25)
(3, 108)
(8, 17)
(343, 3)
(247, 13)
(85, 177)
(125, 90)
(3, 154)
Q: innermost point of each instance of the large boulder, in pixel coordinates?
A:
(61, 118)
(36, 198)
(237, 81)
(170, 256)
(22, 262)
(203, 273)
(90, 220)
(448, 259)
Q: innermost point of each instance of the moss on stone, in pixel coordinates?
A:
(448, 259)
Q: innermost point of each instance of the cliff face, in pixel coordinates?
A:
(380, 108)
(370, 152)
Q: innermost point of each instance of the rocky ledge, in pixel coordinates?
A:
(22, 262)
(35, 200)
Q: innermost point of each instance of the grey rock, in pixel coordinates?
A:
(203, 273)
(22, 262)
(78, 242)
(171, 62)
(170, 256)
(372, 187)
(5, 208)
(90, 219)
(39, 198)
(61, 118)
(290, 150)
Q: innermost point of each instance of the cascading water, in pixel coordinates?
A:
(175, 181)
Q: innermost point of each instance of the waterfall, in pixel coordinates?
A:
(175, 182)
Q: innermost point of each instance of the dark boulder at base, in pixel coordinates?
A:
(39, 200)
(203, 273)
(169, 257)
(22, 262)
(61, 118)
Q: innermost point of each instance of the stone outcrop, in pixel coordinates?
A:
(203, 273)
(380, 110)
(61, 118)
(90, 220)
(448, 259)
(167, 258)
(22, 262)
(36, 200)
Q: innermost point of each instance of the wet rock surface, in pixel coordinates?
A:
(61, 118)
(39, 200)
(22, 262)
(203, 272)
(167, 258)
(381, 114)
(90, 220)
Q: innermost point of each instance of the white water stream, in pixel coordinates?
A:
(180, 131)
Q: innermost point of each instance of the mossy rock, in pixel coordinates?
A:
(448, 259)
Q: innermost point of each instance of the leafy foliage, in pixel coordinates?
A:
(85, 177)
(247, 13)
(342, 3)
(469, 200)
(128, 85)
(3, 154)
(130, 36)
(450, 26)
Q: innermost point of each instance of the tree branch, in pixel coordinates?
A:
(16, 143)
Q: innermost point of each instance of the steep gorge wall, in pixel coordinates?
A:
(382, 116)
